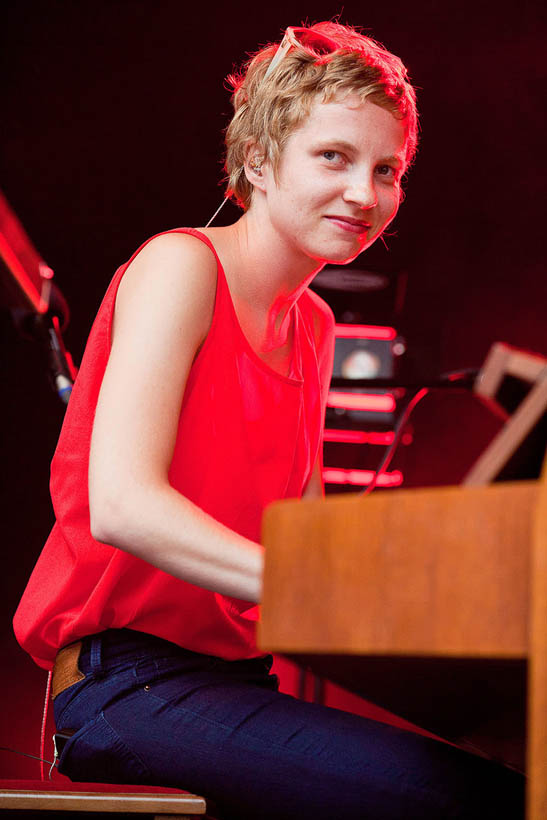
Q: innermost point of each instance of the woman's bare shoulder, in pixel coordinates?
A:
(175, 271)
(173, 253)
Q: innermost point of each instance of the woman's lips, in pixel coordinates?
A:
(347, 223)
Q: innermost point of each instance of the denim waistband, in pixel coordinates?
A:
(114, 647)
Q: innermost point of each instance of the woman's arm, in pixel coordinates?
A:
(163, 312)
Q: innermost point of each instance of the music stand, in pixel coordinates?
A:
(502, 361)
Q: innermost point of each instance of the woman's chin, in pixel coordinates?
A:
(343, 257)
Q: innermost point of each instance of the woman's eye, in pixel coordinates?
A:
(331, 156)
(386, 171)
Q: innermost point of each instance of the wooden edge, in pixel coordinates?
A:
(502, 359)
(526, 366)
(150, 803)
(296, 506)
(537, 673)
(492, 371)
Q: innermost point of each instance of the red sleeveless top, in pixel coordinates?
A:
(247, 436)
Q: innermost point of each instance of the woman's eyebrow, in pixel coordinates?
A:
(395, 159)
(335, 142)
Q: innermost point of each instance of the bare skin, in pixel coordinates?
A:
(163, 313)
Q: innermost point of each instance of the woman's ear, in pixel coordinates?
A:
(254, 160)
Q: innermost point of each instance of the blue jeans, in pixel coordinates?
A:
(150, 712)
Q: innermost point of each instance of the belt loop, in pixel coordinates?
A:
(95, 655)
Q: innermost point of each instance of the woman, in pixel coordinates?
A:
(200, 399)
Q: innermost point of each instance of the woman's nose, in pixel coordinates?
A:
(362, 193)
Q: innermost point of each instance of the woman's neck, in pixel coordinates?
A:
(264, 276)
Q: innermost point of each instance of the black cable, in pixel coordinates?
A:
(25, 754)
(462, 379)
(398, 432)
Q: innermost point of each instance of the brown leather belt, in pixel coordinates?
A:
(66, 670)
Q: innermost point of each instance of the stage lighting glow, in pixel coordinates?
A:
(365, 332)
(361, 478)
(358, 437)
(368, 402)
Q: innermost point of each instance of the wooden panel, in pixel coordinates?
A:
(109, 802)
(436, 572)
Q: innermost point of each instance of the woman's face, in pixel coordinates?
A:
(338, 182)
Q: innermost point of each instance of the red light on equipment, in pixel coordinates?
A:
(365, 332)
(361, 478)
(358, 437)
(29, 273)
(371, 402)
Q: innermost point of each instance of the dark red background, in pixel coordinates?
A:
(112, 116)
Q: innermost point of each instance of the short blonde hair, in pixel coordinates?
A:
(268, 109)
